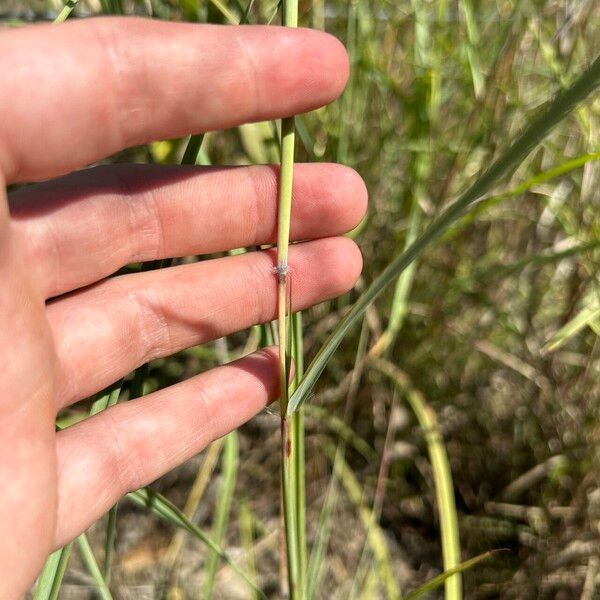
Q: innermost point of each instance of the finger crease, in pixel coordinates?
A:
(127, 462)
(255, 212)
(148, 227)
(251, 74)
(153, 325)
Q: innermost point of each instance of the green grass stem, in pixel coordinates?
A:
(298, 458)
(473, 52)
(290, 445)
(109, 543)
(66, 11)
(50, 579)
(88, 558)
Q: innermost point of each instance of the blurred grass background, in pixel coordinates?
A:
(496, 327)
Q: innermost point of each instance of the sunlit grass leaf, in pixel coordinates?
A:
(434, 583)
(545, 176)
(440, 467)
(536, 259)
(587, 316)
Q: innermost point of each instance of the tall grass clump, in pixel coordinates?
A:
(550, 115)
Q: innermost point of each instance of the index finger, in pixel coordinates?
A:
(75, 93)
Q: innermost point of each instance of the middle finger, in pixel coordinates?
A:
(83, 227)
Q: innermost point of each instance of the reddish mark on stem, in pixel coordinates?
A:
(288, 447)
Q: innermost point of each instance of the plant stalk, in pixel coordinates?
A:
(289, 442)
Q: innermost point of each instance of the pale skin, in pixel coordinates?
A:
(72, 95)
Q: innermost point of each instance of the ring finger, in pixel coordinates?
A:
(105, 331)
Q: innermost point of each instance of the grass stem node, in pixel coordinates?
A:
(281, 270)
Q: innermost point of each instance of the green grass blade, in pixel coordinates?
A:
(112, 7)
(47, 576)
(229, 464)
(503, 270)
(553, 112)
(347, 99)
(586, 316)
(320, 546)
(317, 555)
(543, 177)
(305, 137)
(109, 398)
(265, 335)
(85, 550)
(161, 507)
(230, 17)
(52, 575)
(419, 169)
(434, 583)
(298, 452)
(192, 150)
(245, 20)
(440, 466)
(404, 282)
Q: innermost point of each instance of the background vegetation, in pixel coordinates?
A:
(495, 328)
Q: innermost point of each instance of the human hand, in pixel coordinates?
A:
(71, 95)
